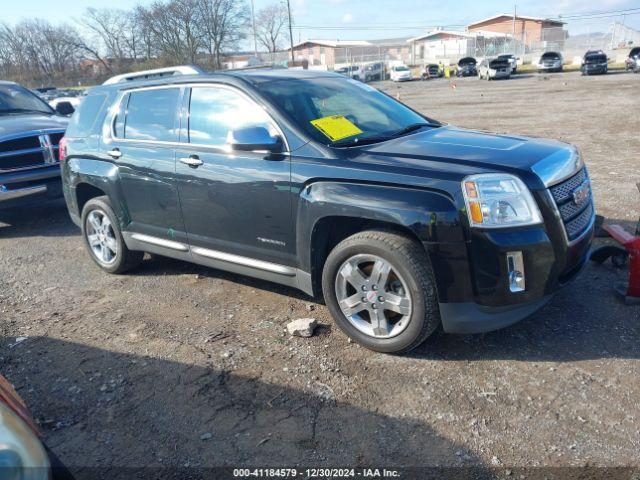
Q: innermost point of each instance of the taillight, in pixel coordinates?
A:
(62, 149)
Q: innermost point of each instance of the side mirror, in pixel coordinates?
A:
(65, 108)
(254, 139)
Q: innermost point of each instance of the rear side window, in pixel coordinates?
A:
(84, 117)
(151, 115)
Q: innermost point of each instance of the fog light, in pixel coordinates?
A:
(515, 267)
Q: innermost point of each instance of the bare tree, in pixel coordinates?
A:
(175, 29)
(271, 23)
(224, 24)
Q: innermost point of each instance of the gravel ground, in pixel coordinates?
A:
(180, 365)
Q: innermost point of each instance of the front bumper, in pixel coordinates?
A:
(549, 68)
(469, 317)
(593, 70)
(27, 187)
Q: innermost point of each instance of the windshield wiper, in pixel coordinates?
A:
(353, 142)
(410, 128)
(356, 142)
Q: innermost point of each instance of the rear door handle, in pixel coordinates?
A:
(193, 161)
(115, 153)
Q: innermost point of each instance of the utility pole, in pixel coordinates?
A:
(290, 29)
(255, 35)
(514, 29)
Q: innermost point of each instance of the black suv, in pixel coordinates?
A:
(325, 184)
(30, 131)
(594, 62)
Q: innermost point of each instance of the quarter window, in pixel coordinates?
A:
(214, 112)
(151, 114)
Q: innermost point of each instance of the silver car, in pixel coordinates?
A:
(494, 69)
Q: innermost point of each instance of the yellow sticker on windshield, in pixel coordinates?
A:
(336, 127)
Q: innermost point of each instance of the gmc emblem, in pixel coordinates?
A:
(581, 194)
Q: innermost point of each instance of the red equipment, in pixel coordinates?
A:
(631, 244)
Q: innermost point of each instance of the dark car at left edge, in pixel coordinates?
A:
(30, 131)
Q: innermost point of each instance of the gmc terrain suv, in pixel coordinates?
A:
(322, 183)
(29, 134)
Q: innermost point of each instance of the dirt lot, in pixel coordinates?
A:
(179, 365)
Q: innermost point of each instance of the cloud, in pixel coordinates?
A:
(347, 18)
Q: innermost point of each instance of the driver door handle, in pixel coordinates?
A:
(193, 161)
(115, 153)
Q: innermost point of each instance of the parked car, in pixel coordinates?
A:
(352, 71)
(23, 455)
(594, 62)
(494, 69)
(512, 59)
(373, 72)
(632, 62)
(400, 73)
(550, 62)
(399, 222)
(467, 67)
(432, 70)
(30, 131)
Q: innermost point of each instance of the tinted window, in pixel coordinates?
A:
(213, 112)
(85, 115)
(151, 115)
(551, 56)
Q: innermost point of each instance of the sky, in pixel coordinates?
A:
(367, 19)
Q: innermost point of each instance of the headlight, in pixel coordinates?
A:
(22, 456)
(497, 200)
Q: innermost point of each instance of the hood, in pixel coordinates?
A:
(455, 150)
(16, 124)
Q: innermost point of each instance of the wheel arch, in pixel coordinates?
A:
(329, 212)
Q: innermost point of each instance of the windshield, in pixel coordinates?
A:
(339, 111)
(401, 69)
(467, 61)
(16, 99)
(550, 56)
(596, 59)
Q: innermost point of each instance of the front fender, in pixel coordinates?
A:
(431, 216)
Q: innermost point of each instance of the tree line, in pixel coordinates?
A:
(105, 42)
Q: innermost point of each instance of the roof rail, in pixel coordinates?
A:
(157, 73)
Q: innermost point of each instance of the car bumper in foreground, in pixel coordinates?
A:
(22, 188)
(473, 318)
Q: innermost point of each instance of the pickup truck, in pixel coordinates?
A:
(322, 183)
(30, 131)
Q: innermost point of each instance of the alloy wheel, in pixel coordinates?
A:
(101, 237)
(373, 296)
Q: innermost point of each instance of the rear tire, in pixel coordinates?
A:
(103, 238)
(364, 268)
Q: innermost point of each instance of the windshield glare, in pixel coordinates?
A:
(15, 98)
(372, 112)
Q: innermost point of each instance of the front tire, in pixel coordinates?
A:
(380, 289)
(103, 238)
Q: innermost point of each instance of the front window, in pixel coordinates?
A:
(341, 112)
(216, 111)
(16, 99)
(401, 69)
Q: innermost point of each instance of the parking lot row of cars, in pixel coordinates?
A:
(502, 66)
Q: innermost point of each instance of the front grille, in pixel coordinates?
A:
(19, 144)
(31, 151)
(576, 213)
